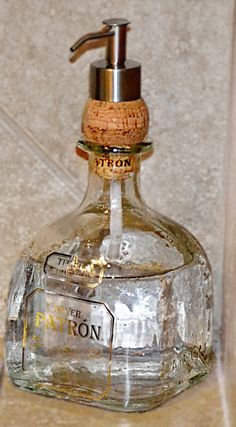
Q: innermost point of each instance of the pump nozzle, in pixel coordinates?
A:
(90, 36)
(116, 45)
(115, 78)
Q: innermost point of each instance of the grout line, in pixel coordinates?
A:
(37, 150)
(221, 384)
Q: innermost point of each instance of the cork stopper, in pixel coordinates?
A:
(115, 123)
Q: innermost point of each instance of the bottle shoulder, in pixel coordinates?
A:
(151, 243)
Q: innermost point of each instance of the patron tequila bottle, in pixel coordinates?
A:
(112, 304)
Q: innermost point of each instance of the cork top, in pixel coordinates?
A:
(115, 123)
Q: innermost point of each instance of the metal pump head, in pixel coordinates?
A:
(114, 79)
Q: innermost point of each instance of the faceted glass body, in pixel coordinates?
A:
(124, 332)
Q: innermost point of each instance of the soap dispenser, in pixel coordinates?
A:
(111, 305)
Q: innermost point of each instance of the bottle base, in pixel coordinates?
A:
(140, 404)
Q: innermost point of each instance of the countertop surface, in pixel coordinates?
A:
(197, 406)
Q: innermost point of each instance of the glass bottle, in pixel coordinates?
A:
(111, 305)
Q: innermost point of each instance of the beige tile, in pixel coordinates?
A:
(31, 196)
(184, 50)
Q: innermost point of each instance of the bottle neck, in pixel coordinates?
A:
(104, 171)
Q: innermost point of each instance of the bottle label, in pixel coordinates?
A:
(75, 269)
(67, 342)
(117, 166)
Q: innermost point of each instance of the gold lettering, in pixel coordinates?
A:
(39, 318)
(71, 328)
(87, 270)
(61, 323)
(58, 324)
(59, 308)
(50, 323)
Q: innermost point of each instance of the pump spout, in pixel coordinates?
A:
(113, 79)
(116, 45)
(88, 37)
